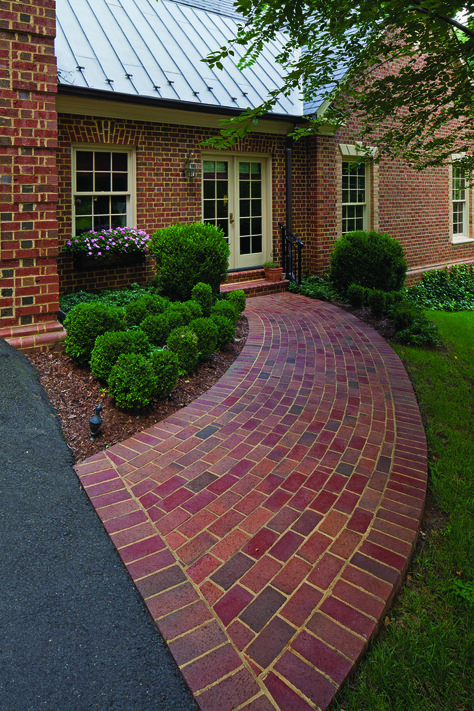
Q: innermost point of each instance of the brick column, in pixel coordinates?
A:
(29, 287)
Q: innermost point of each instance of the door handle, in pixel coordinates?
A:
(231, 218)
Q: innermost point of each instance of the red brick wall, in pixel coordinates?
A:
(413, 207)
(164, 195)
(28, 176)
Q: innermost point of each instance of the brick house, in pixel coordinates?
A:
(105, 108)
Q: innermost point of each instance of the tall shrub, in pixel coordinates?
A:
(188, 254)
(371, 259)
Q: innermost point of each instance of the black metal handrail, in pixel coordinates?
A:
(291, 248)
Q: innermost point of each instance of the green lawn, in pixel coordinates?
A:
(424, 658)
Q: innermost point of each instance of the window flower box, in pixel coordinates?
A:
(119, 246)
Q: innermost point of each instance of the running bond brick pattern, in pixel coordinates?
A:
(268, 524)
(28, 175)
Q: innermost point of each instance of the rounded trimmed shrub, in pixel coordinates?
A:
(376, 301)
(225, 330)
(404, 315)
(206, 331)
(166, 366)
(371, 259)
(189, 310)
(202, 293)
(84, 323)
(157, 327)
(238, 299)
(186, 254)
(132, 381)
(227, 309)
(184, 342)
(356, 295)
(137, 311)
(110, 345)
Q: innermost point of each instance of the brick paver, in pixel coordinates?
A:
(268, 524)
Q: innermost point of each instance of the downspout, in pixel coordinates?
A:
(289, 183)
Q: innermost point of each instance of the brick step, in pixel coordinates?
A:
(37, 337)
(257, 287)
(247, 275)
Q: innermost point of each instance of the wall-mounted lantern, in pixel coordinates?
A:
(192, 167)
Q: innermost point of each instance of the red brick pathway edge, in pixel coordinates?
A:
(269, 524)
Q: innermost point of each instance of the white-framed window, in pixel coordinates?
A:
(103, 187)
(460, 202)
(354, 195)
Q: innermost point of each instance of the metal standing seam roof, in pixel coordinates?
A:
(153, 48)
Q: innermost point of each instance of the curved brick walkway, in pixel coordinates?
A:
(268, 524)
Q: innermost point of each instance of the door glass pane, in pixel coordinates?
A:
(215, 194)
(245, 243)
(250, 204)
(245, 208)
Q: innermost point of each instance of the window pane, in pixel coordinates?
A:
(222, 208)
(118, 205)
(256, 171)
(209, 210)
(119, 182)
(84, 160)
(245, 227)
(245, 245)
(101, 222)
(102, 182)
(102, 161)
(209, 189)
(102, 205)
(245, 208)
(84, 182)
(84, 205)
(222, 189)
(256, 244)
(244, 189)
(224, 225)
(256, 225)
(256, 189)
(83, 224)
(120, 161)
(119, 221)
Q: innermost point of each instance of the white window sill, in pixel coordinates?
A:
(461, 239)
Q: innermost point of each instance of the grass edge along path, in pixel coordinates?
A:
(423, 660)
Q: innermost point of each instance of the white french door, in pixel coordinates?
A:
(234, 197)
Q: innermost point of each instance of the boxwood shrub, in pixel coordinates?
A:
(202, 293)
(207, 333)
(132, 382)
(166, 367)
(371, 259)
(186, 254)
(84, 323)
(184, 342)
(225, 330)
(109, 346)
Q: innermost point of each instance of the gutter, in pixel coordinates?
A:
(176, 104)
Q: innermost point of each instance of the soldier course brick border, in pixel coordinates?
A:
(269, 524)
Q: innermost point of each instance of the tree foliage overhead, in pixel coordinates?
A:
(408, 70)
